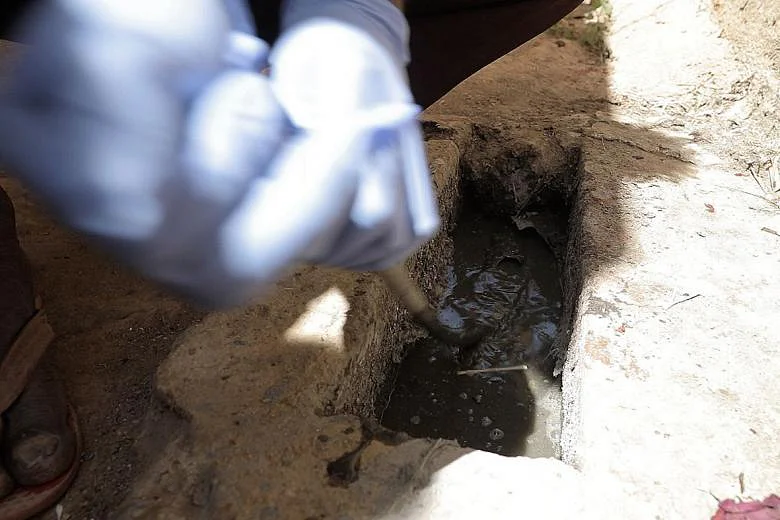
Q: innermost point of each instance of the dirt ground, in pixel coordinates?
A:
(122, 344)
(113, 330)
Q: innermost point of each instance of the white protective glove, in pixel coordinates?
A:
(341, 64)
(146, 126)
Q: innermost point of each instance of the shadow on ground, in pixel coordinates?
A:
(535, 114)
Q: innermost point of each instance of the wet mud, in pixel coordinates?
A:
(505, 276)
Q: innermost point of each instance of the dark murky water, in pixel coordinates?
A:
(508, 279)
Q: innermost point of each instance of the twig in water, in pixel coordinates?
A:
(489, 370)
(683, 301)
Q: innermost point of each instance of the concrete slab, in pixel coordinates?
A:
(670, 397)
(670, 378)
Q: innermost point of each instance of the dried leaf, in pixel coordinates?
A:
(768, 509)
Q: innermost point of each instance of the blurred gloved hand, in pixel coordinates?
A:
(146, 126)
(341, 64)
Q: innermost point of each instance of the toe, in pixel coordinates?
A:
(38, 457)
(38, 445)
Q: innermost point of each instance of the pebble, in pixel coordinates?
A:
(415, 419)
(487, 421)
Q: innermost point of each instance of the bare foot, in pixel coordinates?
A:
(36, 444)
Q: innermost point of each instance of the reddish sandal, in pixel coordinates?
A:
(16, 368)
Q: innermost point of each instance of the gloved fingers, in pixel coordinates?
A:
(323, 72)
(178, 43)
(231, 134)
(298, 208)
(417, 217)
(360, 247)
(377, 216)
(421, 198)
(382, 21)
(23, 125)
(389, 258)
(97, 176)
(233, 130)
(95, 106)
(332, 67)
(240, 16)
(185, 33)
(377, 255)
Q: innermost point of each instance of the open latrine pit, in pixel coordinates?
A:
(508, 236)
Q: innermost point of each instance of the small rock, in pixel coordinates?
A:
(464, 395)
(415, 419)
(487, 421)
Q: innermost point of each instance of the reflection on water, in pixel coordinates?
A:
(507, 279)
